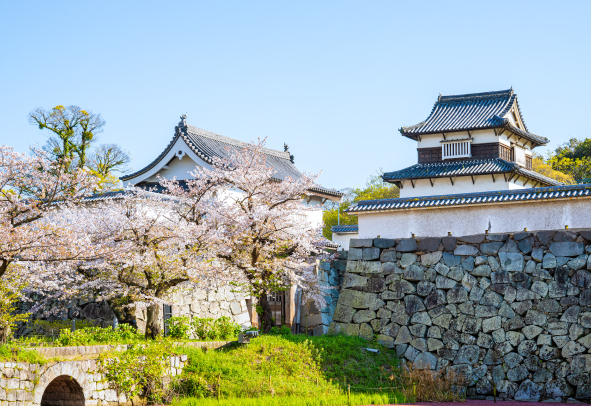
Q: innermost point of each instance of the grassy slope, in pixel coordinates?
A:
(297, 366)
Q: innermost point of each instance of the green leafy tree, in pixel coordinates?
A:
(540, 166)
(73, 131)
(375, 188)
(572, 158)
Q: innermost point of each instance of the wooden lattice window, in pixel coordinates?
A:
(456, 149)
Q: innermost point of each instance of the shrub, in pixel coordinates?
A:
(281, 331)
(140, 370)
(226, 328)
(222, 328)
(179, 327)
(124, 333)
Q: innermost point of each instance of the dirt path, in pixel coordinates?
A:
(483, 403)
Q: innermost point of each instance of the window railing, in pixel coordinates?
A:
(456, 149)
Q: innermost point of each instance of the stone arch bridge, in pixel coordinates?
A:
(64, 383)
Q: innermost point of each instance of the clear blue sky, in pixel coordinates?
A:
(335, 80)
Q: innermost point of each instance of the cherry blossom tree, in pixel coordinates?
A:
(147, 247)
(31, 189)
(264, 241)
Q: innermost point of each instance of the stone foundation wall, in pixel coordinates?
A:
(316, 321)
(511, 310)
(188, 300)
(69, 383)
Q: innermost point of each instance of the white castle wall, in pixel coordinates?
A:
(469, 220)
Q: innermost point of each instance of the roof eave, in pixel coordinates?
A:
(397, 181)
(534, 139)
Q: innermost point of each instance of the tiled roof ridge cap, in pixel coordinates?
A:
(352, 226)
(536, 190)
(234, 142)
(477, 96)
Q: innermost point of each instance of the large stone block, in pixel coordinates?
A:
(582, 278)
(355, 254)
(449, 243)
(386, 341)
(371, 254)
(466, 250)
(529, 391)
(511, 261)
(425, 360)
(457, 295)
(369, 267)
(490, 248)
(567, 249)
(364, 316)
(360, 243)
(407, 245)
(357, 300)
(429, 244)
(352, 280)
(431, 258)
(413, 304)
(384, 242)
(468, 354)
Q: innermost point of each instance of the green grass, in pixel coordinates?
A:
(288, 367)
(13, 353)
(338, 400)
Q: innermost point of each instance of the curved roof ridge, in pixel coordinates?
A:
(480, 95)
(473, 111)
(234, 142)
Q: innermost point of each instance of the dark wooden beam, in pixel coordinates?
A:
(469, 135)
(495, 130)
(505, 176)
(431, 180)
(452, 180)
(525, 183)
(472, 179)
(493, 176)
(444, 138)
(501, 133)
(412, 183)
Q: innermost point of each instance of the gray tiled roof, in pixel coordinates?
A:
(207, 145)
(518, 195)
(345, 229)
(472, 112)
(465, 168)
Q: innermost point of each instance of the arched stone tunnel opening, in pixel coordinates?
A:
(63, 391)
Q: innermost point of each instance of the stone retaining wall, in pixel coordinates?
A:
(511, 310)
(92, 350)
(315, 321)
(188, 300)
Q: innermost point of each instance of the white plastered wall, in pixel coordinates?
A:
(462, 184)
(343, 239)
(176, 167)
(469, 220)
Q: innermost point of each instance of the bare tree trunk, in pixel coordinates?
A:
(153, 327)
(4, 332)
(267, 314)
